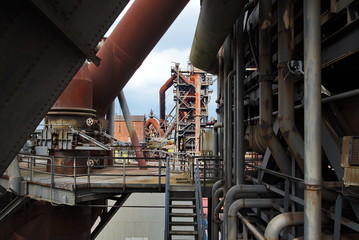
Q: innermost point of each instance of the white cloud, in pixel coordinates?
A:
(142, 90)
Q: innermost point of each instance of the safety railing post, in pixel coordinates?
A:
(74, 166)
(167, 200)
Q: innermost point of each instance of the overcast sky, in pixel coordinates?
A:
(142, 90)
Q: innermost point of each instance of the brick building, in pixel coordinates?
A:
(121, 132)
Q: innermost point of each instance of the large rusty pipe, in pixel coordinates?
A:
(162, 93)
(155, 124)
(125, 49)
(215, 22)
(282, 221)
(131, 130)
(312, 120)
(238, 205)
(265, 87)
(286, 82)
(78, 94)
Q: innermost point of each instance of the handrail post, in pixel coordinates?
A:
(52, 172)
(74, 165)
(32, 168)
(167, 199)
(88, 172)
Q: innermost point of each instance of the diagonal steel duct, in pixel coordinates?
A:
(132, 40)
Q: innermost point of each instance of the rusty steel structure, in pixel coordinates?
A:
(284, 129)
(280, 162)
(76, 135)
(191, 95)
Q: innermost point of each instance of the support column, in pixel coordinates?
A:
(312, 119)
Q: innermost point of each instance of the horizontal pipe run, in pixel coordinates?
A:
(282, 221)
(238, 205)
(337, 97)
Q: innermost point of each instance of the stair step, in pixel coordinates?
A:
(183, 233)
(182, 198)
(183, 223)
(183, 206)
(183, 214)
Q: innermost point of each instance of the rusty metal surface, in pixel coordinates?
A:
(197, 85)
(129, 44)
(162, 92)
(78, 94)
(265, 88)
(286, 82)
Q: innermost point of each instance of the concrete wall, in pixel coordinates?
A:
(137, 223)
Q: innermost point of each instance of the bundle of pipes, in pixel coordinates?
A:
(214, 25)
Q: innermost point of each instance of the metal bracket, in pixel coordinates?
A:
(77, 42)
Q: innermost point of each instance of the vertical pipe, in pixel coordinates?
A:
(131, 130)
(312, 119)
(197, 82)
(265, 87)
(239, 101)
(286, 82)
(229, 129)
(111, 119)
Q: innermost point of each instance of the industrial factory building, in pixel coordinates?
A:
(280, 159)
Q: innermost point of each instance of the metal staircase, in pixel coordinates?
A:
(184, 212)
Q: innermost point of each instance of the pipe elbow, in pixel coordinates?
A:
(280, 222)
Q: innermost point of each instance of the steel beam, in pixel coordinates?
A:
(107, 216)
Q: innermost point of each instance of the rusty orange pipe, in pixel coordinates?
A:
(132, 40)
(162, 92)
(155, 124)
(78, 94)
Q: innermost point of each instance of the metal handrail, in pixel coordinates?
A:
(33, 160)
(167, 200)
(199, 208)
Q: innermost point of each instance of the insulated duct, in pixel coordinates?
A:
(215, 21)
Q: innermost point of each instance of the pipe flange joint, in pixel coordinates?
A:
(265, 78)
(312, 187)
(282, 65)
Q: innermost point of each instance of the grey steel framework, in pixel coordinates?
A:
(286, 135)
(287, 117)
